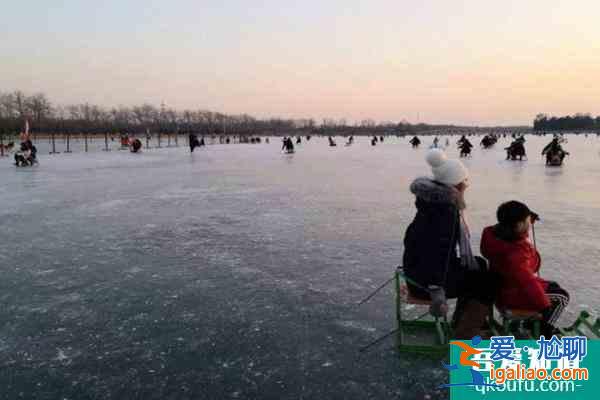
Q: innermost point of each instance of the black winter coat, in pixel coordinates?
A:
(431, 240)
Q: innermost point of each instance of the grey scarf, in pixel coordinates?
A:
(467, 259)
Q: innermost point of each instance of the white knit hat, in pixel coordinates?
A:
(449, 172)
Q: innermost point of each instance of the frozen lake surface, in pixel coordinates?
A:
(233, 272)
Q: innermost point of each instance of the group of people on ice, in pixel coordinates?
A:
(376, 139)
(554, 152)
(440, 263)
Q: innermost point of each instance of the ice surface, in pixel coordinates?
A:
(233, 272)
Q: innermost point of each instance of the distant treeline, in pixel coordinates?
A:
(45, 117)
(576, 122)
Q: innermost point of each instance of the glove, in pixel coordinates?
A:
(438, 307)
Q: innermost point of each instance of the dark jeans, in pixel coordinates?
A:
(479, 285)
(559, 299)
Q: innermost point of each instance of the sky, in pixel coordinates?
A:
(473, 62)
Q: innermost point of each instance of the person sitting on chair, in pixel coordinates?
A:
(21, 156)
(511, 255)
(27, 154)
(437, 250)
(554, 149)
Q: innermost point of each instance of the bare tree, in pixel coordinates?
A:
(8, 104)
(15, 106)
(20, 103)
(40, 107)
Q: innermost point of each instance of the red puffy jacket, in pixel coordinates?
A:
(516, 262)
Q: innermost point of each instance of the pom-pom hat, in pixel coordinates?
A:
(446, 171)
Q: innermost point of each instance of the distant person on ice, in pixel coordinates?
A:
(554, 152)
(437, 249)
(193, 140)
(415, 141)
(516, 149)
(465, 147)
(125, 141)
(488, 141)
(26, 156)
(288, 145)
(511, 255)
(136, 145)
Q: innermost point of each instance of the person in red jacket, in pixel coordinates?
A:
(517, 263)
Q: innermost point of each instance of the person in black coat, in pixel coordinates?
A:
(437, 253)
(415, 141)
(27, 155)
(136, 145)
(193, 141)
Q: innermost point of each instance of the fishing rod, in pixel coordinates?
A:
(534, 218)
(369, 297)
(412, 282)
(377, 341)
